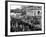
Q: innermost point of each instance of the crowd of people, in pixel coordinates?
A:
(24, 23)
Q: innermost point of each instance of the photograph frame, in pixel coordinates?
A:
(6, 17)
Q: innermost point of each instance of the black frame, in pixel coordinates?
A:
(6, 17)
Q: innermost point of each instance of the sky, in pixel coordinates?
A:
(15, 6)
